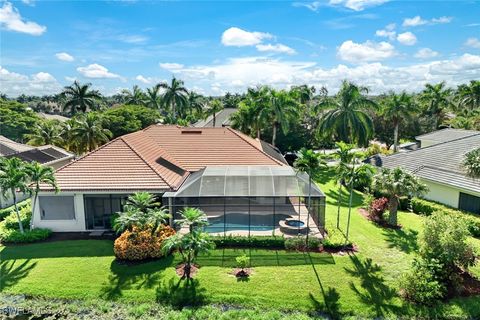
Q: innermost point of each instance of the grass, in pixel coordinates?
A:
(364, 284)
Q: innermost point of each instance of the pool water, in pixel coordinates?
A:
(239, 222)
(295, 223)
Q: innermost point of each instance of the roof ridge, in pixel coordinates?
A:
(473, 132)
(243, 138)
(145, 161)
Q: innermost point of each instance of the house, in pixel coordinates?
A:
(236, 180)
(439, 166)
(222, 119)
(48, 155)
(444, 135)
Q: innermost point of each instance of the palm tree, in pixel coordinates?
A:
(13, 177)
(346, 116)
(397, 108)
(213, 108)
(437, 100)
(469, 95)
(142, 201)
(253, 112)
(38, 174)
(126, 220)
(397, 183)
(304, 94)
(175, 96)
(345, 157)
(283, 107)
(312, 164)
(88, 133)
(80, 98)
(135, 97)
(193, 218)
(471, 163)
(195, 103)
(153, 98)
(47, 132)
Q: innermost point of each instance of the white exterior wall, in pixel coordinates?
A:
(77, 224)
(9, 200)
(443, 194)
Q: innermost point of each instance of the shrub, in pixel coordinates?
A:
(364, 179)
(378, 208)
(425, 207)
(15, 236)
(335, 239)
(11, 221)
(9, 210)
(271, 242)
(141, 244)
(420, 283)
(301, 243)
(243, 261)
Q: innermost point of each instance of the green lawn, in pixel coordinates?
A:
(363, 284)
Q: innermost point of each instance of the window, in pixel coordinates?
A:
(56, 208)
(469, 203)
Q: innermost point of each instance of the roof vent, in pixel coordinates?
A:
(194, 131)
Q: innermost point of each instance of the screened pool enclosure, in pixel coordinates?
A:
(252, 200)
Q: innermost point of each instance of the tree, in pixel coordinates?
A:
(345, 157)
(213, 108)
(16, 120)
(283, 107)
(397, 183)
(346, 115)
(437, 100)
(312, 164)
(253, 112)
(79, 97)
(134, 97)
(469, 95)
(196, 103)
(88, 133)
(13, 177)
(38, 174)
(46, 132)
(127, 119)
(471, 163)
(175, 96)
(153, 98)
(396, 108)
(191, 244)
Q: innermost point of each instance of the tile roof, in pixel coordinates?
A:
(440, 163)
(447, 134)
(159, 158)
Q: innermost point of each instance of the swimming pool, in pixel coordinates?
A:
(239, 221)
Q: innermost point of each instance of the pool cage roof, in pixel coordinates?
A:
(246, 181)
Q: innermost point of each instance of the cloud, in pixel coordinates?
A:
(170, 66)
(10, 19)
(29, 2)
(314, 6)
(143, 79)
(365, 52)
(70, 79)
(473, 42)
(357, 5)
(133, 39)
(425, 53)
(278, 48)
(387, 32)
(407, 38)
(239, 38)
(41, 83)
(96, 71)
(64, 56)
(418, 21)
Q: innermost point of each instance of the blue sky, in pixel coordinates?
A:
(221, 46)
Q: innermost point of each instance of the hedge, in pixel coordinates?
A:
(15, 236)
(426, 207)
(11, 221)
(271, 242)
(7, 211)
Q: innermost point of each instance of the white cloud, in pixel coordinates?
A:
(407, 38)
(314, 6)
(387, 32)
(418, 21)
(170, 66)
(239, 38)
(425, 53)
(357, 5)
(10, 19)
(70, 79)
(365, 52)
(64, 56)
(278, 48)
(143, 79)
(29, 2)
(133, 39)
(473, 42)
(14, 84)
(96, 71)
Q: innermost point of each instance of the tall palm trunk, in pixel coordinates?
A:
(174, 111)
(395, 137)
(349, 210)
(214, 118)
(339, 203)
(393, 207)
(20, 226)
(274, 134)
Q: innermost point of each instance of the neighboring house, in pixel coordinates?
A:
(444, 135)
(48, 116)
(439, 166)
(222, 119)
(241, 185)
(48, 155)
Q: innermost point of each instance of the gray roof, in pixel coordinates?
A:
(8, 146)
(448, 134)
(222, 119)
(440, 163)
(53, 116)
